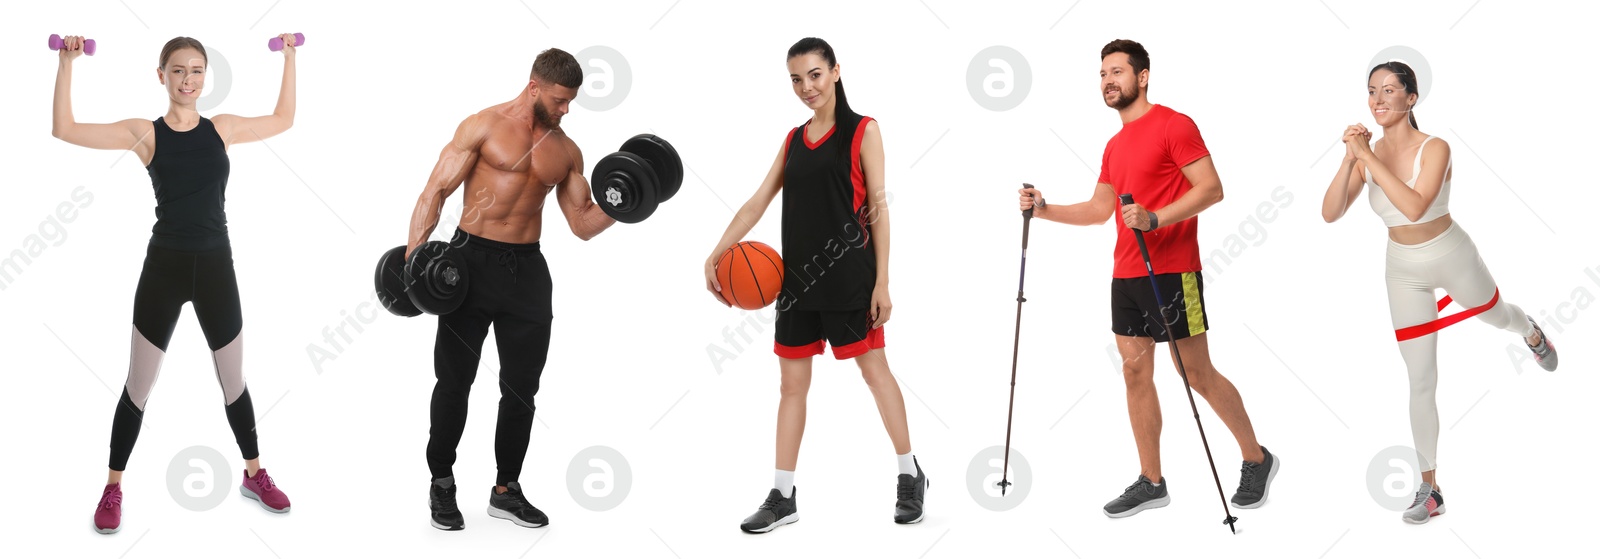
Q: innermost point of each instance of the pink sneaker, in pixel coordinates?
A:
(108, 516)
(263, 490)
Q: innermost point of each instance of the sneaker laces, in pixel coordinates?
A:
(1247, 475)
(110, 498)
(264, 481)
(906, 491)
(771, 503)
(515, 496)
(1128, 491)
(1422, 496)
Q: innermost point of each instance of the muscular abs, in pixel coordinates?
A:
(507, 186)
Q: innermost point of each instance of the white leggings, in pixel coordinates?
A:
(1449, 261)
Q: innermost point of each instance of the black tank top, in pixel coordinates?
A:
(829, 261)
(190, 174)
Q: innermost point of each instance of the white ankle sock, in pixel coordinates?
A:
(784, 482)
(908, 465)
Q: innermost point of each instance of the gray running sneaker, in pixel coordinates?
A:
(1545, 354)
(776, 511)
(1137, 497)
(1254, 480)
(1429, 503)
(909, 493)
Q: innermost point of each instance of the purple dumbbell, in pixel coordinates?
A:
(275, 44)
(56, 44)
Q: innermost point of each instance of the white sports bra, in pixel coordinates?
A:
(1390, 214)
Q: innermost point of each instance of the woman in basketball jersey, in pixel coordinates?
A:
(1427, 250)
(836, 276)
(189, 258)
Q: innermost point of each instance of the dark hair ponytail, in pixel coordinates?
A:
(1408, 81)
(841, 104)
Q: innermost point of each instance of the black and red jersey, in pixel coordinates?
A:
(829, 262)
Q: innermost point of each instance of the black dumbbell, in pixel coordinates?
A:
(629, 184)
(432, 281)
(391, 283)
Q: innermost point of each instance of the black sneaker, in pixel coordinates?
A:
(1254, 479)
(512, 506)
(442, 500)
(909, 492)
(1137, 497)
(776, 511)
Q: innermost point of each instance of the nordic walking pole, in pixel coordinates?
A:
(1228, 517)
(1016, 342)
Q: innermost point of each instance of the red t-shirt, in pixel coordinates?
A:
(1146, 159)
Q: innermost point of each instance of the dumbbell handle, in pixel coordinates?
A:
(275, 44)
(57, 43)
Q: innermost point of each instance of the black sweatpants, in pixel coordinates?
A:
(508, 288)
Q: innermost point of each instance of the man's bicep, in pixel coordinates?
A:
(573, 190)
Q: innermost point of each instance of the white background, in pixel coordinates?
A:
(1299, 315)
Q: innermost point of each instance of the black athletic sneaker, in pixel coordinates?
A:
(776, 511)
(909, 492)
(1254, 479)
(1137, 497)
(443, 502)
(512, 506)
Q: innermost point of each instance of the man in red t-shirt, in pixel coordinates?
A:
(1160, 159)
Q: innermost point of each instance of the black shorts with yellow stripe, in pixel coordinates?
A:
(1134, 311)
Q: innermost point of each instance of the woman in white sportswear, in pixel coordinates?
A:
(1407, 174)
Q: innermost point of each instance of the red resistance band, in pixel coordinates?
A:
(1435, 325)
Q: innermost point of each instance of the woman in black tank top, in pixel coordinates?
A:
(189, 259)
(835, 287)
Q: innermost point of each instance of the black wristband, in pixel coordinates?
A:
(1153, 222)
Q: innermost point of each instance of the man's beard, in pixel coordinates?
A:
(543, 117)
(1124, 99)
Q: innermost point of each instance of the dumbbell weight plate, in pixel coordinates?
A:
(662, 157)
(390, 281)
(625, 187)
(438, 279)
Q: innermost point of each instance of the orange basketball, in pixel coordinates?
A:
(751, 275)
